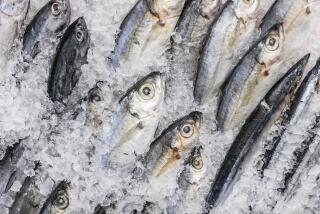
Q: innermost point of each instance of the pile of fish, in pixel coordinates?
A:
(204, 106)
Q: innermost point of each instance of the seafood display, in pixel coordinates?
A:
(159, 106)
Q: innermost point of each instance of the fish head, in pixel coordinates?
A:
(96, 103)
(147, 96)
(14, 8)
(186, 133)
(197, 165)
(209, 8)
(271, 50)
(173, 144)
(58, 201)
(81, 37)
(165, 8)
(58, 12)
(246, 9)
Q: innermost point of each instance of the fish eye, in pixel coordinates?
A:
(186, 130)
(147, 91)
(95, 98)
(79, 35)
(61, 202)
(56, 9)
(197, 162)
(249, 2)
(272, 42)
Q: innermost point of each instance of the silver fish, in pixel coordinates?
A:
(27, 200)
(234, 33)
(137, 121)
(71, 55)
(173, 145)
(251, 130)
(146, 30)
(12, 14)
(45, 28)
(290, 117)
(299, 155)
(96, 106)
(192, 174)
(268, 62)
(58, 201)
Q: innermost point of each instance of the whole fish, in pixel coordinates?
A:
(173, 145)
(146, 30)
(299, 155)
(251, 130)
(12, 14)
(8, 168)
(290, 117)
(58, 201)
(27, 199)
(138, 118)
(230, 38)
(71, 55)
(96, 106)
(268, 62)
(45, 28)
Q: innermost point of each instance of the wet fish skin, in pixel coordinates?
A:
(27, 199)
(146, 28)
(236, 29)
(47, 25)
(268, 62)
(173, 144)
(305, 91)
(58, 201)
(251, 130)
(12, 14)
(141, 108)
(8, 166)
(299, 155)
(196, 18)
(71, 55)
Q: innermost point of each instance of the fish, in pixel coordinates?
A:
(8, 169)
(172, 147)
(195, 21)
(12, 15)
(268, 62)
(146, 30)
(46, 28)
(236, 29)
(58, 201)
(251, 131)
(140, 111)
(27, 200)
(290, 117)
(71, 55)
(193, 172)
(299, 155)
(96, 105)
